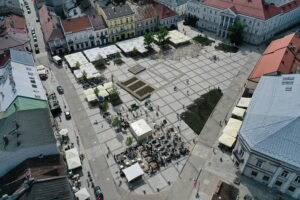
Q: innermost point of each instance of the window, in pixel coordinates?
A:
(284, 174)
(259, 163)
(32, 81)
(266, 178)
(37, 96)
(30, 73)
(254, 173)
(291, 188)
(241, 153)
(278, 183)
(34, 86)
(28, 68)
(297, 179)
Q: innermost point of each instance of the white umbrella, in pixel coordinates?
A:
(63, 132)
(82, 194)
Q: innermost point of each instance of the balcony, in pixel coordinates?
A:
(238, 156)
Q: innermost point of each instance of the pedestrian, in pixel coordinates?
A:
(187, 81)
(183, 107)
(108, 149)
(221, 123)
(177, 116)
(88, 182)
(157, 114)
(158, 107)
(194, 141)
(107, 155)
(77, 140)
(187, 92)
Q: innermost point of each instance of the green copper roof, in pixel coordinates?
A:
(23, 103)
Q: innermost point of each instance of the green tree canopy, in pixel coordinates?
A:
(84, 76)
(162, 35)
(235, 33)
(77, 65)
(99, 63)
(148, 40)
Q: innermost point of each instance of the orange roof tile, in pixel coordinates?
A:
(280, 56)
(77, 24)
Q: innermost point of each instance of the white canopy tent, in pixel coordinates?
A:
(93, 54)
(129, 45)
(78, 73)
(108, 86)
(140, 129)
(64, 132)
(227, 140)
(73, 159)
(244, 102)
(133, 172)
(73, 58)
(41, 70)
(108, 51)
(90, 70)
(177, 37)
(90, 95)
(82, 194)
(232, 127)
(239, 112)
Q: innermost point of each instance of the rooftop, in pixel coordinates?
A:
(113, 12)
(76, 24)
(254, 8)
(273, 119)
(163, 11)
(13, 40)
(279, 57)
(146, 12)
(50, 25)
(19, 78)
(98, 22)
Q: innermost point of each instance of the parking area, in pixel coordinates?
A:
(178, 78)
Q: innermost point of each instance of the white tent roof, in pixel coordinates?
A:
(133, 172)
(90, 70)
(72, 59)
(100, 87)
(128, 45)
(103, 93)
(82, 194)
(108, 85)
(227, 140)
(40, 67)
(238, 112)
(73, 159)
(77, 73)
(140, 127)
(244, 102)
(56, 58)
(90, 95)
(107, 51)
(177, 37)
(63, 132)
(232, 127)
(93, 54)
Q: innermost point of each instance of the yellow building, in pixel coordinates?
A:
(120, 21)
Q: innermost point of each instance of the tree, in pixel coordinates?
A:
(96, 91)
(116, 122)
(129, 141)
(117, 55)
(162, 35)
(148, 40)
(134, 52)
(235, 33)
(99, 63)
(77, 65)
(84, 76)
(105, 105)
(114, 94)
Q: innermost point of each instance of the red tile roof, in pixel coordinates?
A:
(50, 25)
(163, 11)
(254, 8)
(98, 22)
(146, 12)
(77, 24)
(282, 55)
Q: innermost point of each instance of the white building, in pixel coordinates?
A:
(267, 149)
(25, 127)
(179, 6)
(263, 19)
(166, 17)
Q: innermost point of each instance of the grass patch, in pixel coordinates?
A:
(145, 90)
(129, 81)
(137, 85)
(118, 61)
(198, 113)
(227, 192)
(227, 48)
(203, 40)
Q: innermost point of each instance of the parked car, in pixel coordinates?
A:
(35, 39)
(68, 115)
(60, 89)
(36, 45)
(98, 193)
(37, 50)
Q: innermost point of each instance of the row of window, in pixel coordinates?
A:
(115, 22)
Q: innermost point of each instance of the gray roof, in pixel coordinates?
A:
(34, 130)
(271, 125)
(22, 57)
(112, 12)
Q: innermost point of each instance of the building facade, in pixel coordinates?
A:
(100, 34)
(10, 7)
(166, 17)
(268, 144)
(120, 21)
(179, 6)
(146, 19)
(262, 19)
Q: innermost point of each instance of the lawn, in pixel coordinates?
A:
(227, 48)
(227, 192)
(203, 40)
(198, 113)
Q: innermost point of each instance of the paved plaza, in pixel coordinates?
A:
(192, 75)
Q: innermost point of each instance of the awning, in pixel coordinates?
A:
(103, 93)
(56, 58)
(133, 172)
(82, 194)
(239, 112)
(232, 127)
(227, 140)
(108, 85)
(244, 102)
(63, 132)
(73, 159)
(77, 73)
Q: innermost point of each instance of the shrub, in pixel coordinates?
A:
(203, 40)
(129, 141)
(227, 48)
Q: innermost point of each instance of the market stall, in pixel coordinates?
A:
(133, 172)
(73, 159)
(140, 130)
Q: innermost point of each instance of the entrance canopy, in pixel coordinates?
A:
(140, 129)
(133, 172)
(73, 159)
